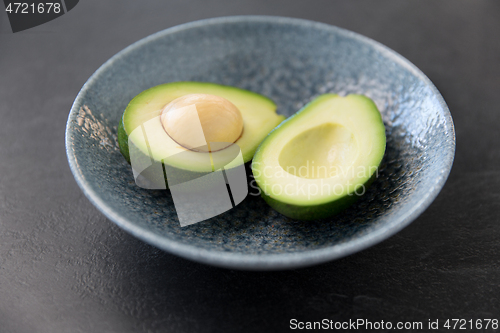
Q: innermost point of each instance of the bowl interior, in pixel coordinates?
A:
(291, 61)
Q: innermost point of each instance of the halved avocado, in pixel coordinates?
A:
(317, 162)
(141, 127)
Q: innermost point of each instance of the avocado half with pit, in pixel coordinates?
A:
(151, 135)
(319, 161)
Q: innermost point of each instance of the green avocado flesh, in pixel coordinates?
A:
(318, 162)
(140, 130)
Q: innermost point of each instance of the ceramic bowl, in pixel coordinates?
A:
(291, 61)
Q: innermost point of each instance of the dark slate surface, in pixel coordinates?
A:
(66, 268)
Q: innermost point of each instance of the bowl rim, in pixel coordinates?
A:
(275, 261)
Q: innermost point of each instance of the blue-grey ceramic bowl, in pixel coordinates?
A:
(291, 61)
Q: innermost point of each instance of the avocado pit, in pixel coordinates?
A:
(202, 122)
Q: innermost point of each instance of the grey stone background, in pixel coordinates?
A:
(65, 268)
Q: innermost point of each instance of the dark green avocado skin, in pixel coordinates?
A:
(309, 213)
(123, 141)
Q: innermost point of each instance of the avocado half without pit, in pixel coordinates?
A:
(319, 161)
(189, 126)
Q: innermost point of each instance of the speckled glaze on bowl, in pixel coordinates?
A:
(291, 61)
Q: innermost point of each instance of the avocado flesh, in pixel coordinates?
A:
(314, 164)
(140, 127)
